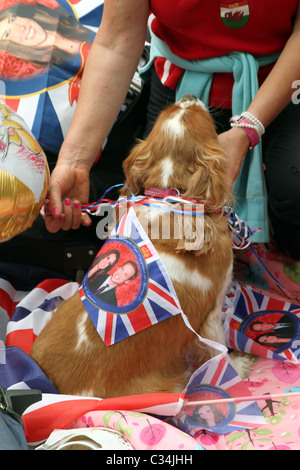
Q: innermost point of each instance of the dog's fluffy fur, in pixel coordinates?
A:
(181, 152)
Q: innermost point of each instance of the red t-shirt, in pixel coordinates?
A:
(201, 29)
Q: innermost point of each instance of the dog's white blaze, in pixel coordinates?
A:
(173, 126)
(166, 171)
(187, 103)
(179, 272)
(81, 332)
(86, 393)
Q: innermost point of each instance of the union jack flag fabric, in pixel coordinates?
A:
(88, 12)
(217, 382)
(33, 311)
(258, 324)
(145, 300)
(60, 411)
(27, 297)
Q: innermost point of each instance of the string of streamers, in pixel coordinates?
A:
(241, 233)
(165, 203)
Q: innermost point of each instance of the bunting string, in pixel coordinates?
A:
(239, 229)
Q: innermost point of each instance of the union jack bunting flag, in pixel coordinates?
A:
(210, 404)
(262, 325)
(146, 298)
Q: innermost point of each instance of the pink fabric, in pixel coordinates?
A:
(282, 428)
(280, 279)
(144, 432)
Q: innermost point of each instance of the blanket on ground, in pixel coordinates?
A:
(267, 286)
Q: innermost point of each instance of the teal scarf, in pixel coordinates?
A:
(249, 188)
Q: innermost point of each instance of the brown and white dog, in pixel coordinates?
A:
(181, 152)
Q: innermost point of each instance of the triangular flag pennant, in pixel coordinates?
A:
(210, 401)
(259, 324)
(139, 293)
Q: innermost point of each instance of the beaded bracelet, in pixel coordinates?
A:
(254, 120)
(251, 125)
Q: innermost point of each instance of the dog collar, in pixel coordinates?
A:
(162, 192)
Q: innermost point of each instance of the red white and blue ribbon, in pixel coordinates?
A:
(240, 231)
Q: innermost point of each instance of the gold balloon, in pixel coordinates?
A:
(24, 175)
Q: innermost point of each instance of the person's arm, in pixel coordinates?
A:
(110, 66)
(272, 97)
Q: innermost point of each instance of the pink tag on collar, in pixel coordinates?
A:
(162, 192)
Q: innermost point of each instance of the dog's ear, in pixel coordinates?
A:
(196, 233)
(208, 182)
(136, 167)
(201, 233)
(208, 186)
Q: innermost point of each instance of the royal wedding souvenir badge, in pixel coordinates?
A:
(127, 288)
(265, 326)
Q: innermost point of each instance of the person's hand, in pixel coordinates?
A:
(235, 142)
(69, 188)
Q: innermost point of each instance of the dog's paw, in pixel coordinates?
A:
(242, 364)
